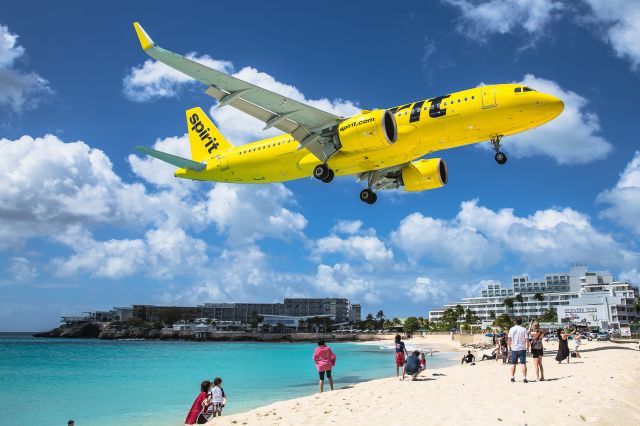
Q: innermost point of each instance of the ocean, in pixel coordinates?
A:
(104, 382)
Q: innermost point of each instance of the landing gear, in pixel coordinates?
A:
(324, 173)
(500, 157)
(368, 196)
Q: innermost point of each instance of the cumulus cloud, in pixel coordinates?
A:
(154, 80)
(478, 237)
(620, 21)
(19, 90)
(246, 213)
(571, 138)
(342, 280)
(348, 227)
(426, 289)
(445, 241)
(162, 253)
(631, 276)
(480, 19)
(22, 269)
(624, 197)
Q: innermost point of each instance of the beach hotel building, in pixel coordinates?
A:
(580, 297)
(340, 311)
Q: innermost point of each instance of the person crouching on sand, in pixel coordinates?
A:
(199, 405)
(325, 360)
(401, 351)
(412, 367)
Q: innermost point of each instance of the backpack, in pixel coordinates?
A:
(536, 343)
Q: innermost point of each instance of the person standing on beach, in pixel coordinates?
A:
(401, 351)
(216, 398)
(563, 346)
(325, 360)
(577, 340)
(519, 343)
(537, 350)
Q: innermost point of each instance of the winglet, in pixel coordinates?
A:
(145, 40)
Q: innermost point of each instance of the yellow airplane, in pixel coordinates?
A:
(382, 146)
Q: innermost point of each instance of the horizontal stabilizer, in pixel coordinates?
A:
(183, 163)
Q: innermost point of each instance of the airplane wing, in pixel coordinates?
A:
(183, 163)
(312, 127)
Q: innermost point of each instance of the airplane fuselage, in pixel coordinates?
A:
(443, 122)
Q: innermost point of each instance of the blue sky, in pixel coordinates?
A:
(87, 224)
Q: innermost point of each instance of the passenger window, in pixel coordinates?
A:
(517, 90)
(473, 97)
(465, 99)
(458, 100)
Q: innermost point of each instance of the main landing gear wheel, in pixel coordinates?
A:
(368, 196)
(500, 157)
(323, 172)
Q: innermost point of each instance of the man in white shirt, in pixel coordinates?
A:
(519, 343)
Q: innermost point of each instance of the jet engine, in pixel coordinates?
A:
(424, 174)
(370, 130)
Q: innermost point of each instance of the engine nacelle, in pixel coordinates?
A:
(425, 174)
(371, 130)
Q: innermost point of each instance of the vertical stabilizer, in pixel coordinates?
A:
(205, 138)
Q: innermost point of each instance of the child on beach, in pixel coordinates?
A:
(423, 362)
(216, 398)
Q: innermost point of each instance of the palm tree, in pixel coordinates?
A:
(459, 311)
(492, 315)
(519, 299)
(508, 302)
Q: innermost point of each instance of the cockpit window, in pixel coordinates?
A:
(527, 89)
(517, 89)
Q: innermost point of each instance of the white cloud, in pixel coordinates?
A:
(624, 198)
(22, 269)
(621, 22)
(444, 241)
(249, 212)
(479, 237)
(19, 90)
(153, 80)
(631, 276)
(348, 227)
(360, 247)
(162, 253)
(341, 280)
(426, 289)
(479, 19)
(571, 138)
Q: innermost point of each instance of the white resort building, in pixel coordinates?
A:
(579, 297)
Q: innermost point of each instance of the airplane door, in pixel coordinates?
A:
(223, 162)
(488, 96)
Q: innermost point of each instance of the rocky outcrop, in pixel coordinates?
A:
(78, 330)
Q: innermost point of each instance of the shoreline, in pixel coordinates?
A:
(599, 388)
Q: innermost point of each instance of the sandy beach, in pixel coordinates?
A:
(600, 388)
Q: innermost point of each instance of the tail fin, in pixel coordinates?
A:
(205, 139)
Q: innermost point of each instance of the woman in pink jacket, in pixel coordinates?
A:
(325, 360)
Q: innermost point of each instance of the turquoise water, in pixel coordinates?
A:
(98, 382)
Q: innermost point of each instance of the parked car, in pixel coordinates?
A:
(593, 335)
(603, 336)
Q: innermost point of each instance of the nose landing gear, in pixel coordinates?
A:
(324, 173)
(500, 156)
